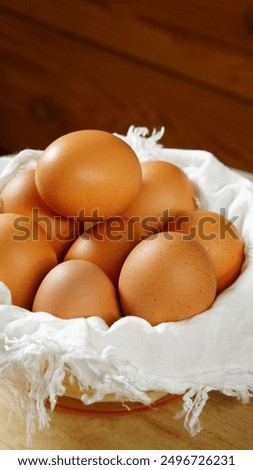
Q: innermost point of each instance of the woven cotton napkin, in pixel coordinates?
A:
(211, 351)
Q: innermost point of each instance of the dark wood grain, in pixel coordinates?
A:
(208, 43)
(51, 85)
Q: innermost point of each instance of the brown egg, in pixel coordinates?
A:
(20, 195)
(165, 189)
(220, 238)
(26, 257)
(165, 278)
(91, 171)
(107, 245)
(77, 288)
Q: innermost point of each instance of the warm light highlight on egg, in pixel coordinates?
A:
(165, 278)
(21, 195)
(91, 171)
(77, 288)
(220, 238)
(108, 244)
(26, 257)
(165, 190)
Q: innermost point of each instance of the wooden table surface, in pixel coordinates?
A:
(227, 424)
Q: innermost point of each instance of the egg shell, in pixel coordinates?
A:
(165, 190)
(21, 195)
(26, 257)
(77, 288)
(220, 238)
(108, 244)
(165, 278)
(88, 173)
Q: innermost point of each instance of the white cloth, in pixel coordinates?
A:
(211, 351)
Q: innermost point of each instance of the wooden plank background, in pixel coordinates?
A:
(107, 64)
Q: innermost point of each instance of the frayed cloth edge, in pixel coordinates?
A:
(35, 390)
(194, 401)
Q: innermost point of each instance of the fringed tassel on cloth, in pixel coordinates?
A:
(195, 399)
(144, 143)
(241, 392)
(193, 403)
(37, 378)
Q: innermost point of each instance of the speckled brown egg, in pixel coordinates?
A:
(26, 257)
(165, 190)
(222, 240)
(21, 195)
(77, 288)
(108, 244)
(165, 278)
(88, 172)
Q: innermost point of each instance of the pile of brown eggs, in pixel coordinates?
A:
(93, 232)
